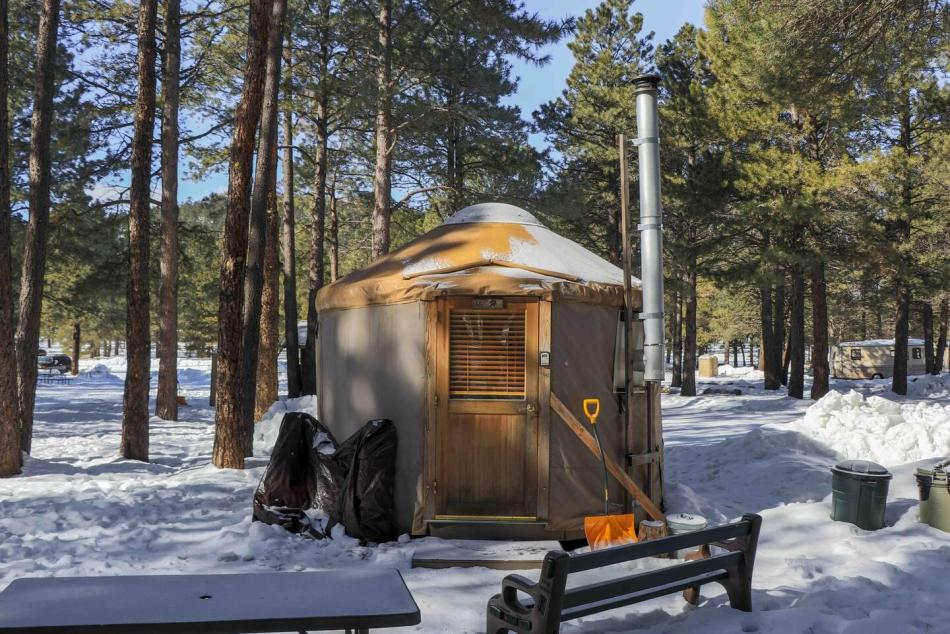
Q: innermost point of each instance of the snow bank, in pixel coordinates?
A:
(746, 372)
(265, 432)
(929, 386)
(875, 428)
(99, 373)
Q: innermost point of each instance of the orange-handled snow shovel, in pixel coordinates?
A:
(605, 530)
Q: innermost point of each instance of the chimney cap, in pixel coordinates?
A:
(646, 82)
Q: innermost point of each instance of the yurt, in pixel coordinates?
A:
(460, 338)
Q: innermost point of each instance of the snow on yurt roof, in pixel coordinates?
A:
(486, 249)
(871, 343)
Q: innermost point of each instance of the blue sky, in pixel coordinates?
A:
(539, 85)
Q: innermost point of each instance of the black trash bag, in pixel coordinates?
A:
(297, 470)
(368, 460)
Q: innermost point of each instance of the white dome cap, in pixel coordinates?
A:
(493, 212)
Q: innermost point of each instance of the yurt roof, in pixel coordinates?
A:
(486, 249)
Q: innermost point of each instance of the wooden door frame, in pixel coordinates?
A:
(437, 411)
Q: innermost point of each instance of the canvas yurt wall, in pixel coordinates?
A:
(460, 338)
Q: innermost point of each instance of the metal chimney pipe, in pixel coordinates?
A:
(650, 227)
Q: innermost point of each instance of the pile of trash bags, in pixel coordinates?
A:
(351, 483)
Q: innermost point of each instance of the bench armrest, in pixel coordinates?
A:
(511, 585)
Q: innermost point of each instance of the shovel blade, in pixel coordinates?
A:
(603, 531)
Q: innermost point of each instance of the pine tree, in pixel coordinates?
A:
(582, 124)
(229, 438)
(10, 457)
(34, 254)
(166, 398)
(134, 444)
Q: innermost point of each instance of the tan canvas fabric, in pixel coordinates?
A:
(373, 366)
(582, 347)
(481, 258)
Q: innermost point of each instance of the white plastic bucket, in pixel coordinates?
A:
(682, 523)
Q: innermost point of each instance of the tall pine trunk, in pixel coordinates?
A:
(334, 237)
(901, 332)
(317, 246)
(796, 336)
(821, 372)
(229, 432)
(166, 398)
(768, 344)
(382, 175)
(677, 324)
(10, 457)
(77, 346)
(902, 233)
(941, 351)
(134, 443)
(37, 232)
(270, 318)
(265, 179)
(927, 317)
(689, 341)
(288, 248)
(778, 331)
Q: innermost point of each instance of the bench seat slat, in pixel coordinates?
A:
(638, 597)
(687, 572)
(630, 552)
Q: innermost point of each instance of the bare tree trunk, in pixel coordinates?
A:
(767, 356)
(10, 457)
(382, 177)
(778, 316)
(288, 247)
(942, 336)
(317, 248)
(677, 323)
(689, 342)
(821, 372)
(37, 232)
(265, 179)
(229, 432)
(134, 443)
(901, 234)
(77, 346)
(334, 234)
(927, 317)
(166, 398)
(270, 318)
(796, 342)
(901, 331)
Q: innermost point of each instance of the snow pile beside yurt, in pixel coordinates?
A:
(875, 428)
(266, 431)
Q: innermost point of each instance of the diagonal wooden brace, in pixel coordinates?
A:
(578, 428)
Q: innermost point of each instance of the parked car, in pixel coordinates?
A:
(61, 363)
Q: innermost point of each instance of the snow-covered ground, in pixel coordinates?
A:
(79, 510)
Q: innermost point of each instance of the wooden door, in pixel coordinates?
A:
(487, 396)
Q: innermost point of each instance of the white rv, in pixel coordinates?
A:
(874, 359)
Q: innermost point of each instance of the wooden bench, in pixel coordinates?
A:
(354, 599)
(549, 602)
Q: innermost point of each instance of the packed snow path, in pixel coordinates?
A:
(79, 510)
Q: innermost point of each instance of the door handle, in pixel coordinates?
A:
(531, 408)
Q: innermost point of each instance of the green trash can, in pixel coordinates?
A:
(859, 493)
(934, 487)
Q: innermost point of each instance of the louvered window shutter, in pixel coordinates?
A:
(487, 354)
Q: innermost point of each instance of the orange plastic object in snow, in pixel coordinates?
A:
(603, 531)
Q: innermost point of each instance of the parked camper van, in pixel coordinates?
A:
(874, 359)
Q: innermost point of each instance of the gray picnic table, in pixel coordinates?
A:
(209, 604)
